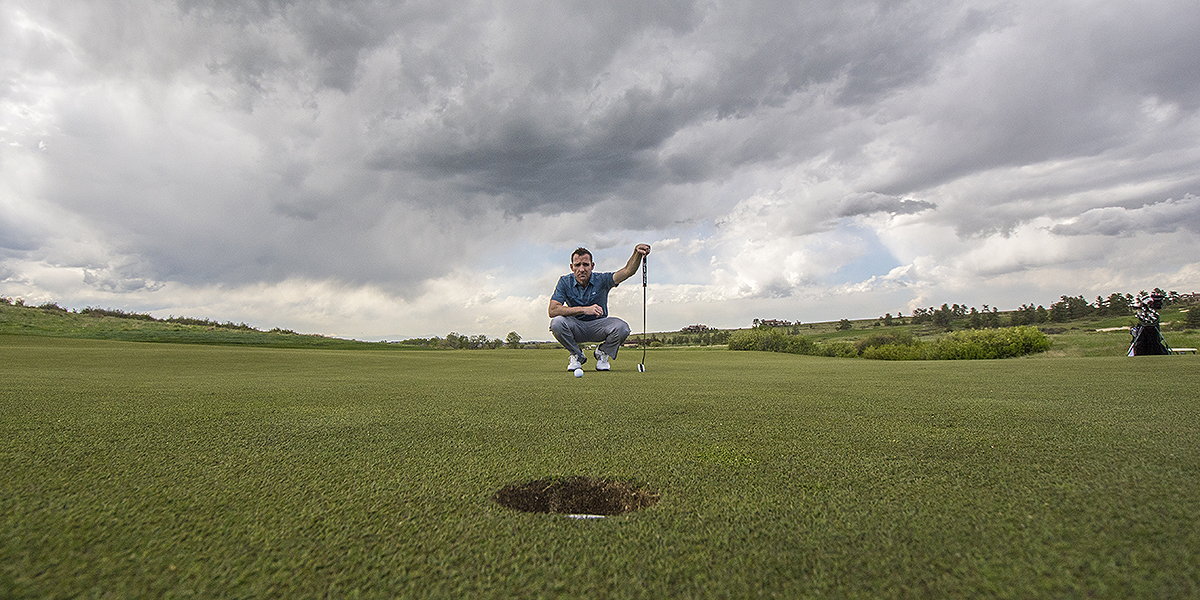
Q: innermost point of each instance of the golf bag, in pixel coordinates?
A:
(1147, 337)
(1147, 340)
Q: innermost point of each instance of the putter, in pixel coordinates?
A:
(642, 365)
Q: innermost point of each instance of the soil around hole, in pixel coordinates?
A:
(576, 494)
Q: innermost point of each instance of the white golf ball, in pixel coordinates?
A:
(579, 372)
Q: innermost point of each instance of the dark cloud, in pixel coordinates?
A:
(233, 142)
(538, 164)
(17, 237)
(548, 142)
(1152, 49)
(512, 95)
(1161, 217)
(1049, 84)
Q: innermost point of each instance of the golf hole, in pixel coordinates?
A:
(576, 496)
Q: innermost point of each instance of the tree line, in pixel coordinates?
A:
(1067, 308)
(456, 341)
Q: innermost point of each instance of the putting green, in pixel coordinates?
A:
(158, 469)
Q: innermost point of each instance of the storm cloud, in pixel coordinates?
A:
(1161, 217)
(372, 168)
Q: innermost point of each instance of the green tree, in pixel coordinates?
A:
(454, 340)
(1070, 308)
(1026, 315)
(1043, 315)
(1059, 312)
(1079, 307)
(1016, 318)
(991, 318)
(513, 340)
(1118, 305)
(942, 316)
(844, 325)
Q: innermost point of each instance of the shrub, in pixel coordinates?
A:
(92, 311)
(891, 338)
(982, 344)
(797, 344)
(769, 340)
(745, 339)
(896, 352)
(835, 350)
(766, 340)
(990, 343)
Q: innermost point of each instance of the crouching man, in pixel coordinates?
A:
(579, 308)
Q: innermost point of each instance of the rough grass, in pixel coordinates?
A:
(201, 471)
(23, 320)
(1088, 342)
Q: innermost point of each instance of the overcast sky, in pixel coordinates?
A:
(390, 169)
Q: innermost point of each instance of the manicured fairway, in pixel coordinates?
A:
(200, 471)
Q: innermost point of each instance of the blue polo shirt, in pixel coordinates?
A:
(570, 293)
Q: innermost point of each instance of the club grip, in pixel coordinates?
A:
(645, 259)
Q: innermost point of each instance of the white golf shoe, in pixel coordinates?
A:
(601, 361)
(576, 362)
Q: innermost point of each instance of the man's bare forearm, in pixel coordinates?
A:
(631, 266)
(558, 309)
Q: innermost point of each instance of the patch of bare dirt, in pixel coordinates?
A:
(575, 495)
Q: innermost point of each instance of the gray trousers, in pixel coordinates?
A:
(609, 331)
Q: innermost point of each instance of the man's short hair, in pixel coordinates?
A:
(580, 251)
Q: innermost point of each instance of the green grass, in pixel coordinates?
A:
(24, 320)
(1085, 341)
(203, 471)
(1075, 339)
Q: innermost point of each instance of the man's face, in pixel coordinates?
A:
(581, 266)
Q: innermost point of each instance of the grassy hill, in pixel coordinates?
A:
(53, 321)
(1092, 336)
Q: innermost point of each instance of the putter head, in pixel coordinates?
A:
(641, 368)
